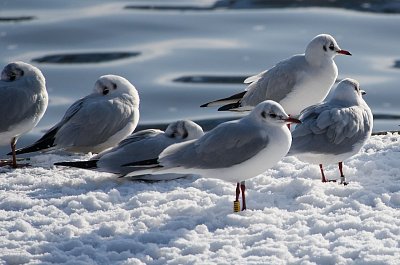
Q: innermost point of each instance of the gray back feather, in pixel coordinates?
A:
(276, 83)
(331, 129)
(226, 145)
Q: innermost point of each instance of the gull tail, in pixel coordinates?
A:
(88, 164)
(46, 142)
(234, 99)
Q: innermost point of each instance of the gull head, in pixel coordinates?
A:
(323, 46)
(184, 130)
(18, 70)
(114, 85)
(272, 113)
(348, 90)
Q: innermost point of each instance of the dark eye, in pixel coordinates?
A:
(105, 91)
(263, 114)
(331, 47)
(273, 115)
(12, 76)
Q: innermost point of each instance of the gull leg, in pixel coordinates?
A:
(288, 125)
(342, 177)
(13, 161)
(243, 188)
(236, 203)
(14, 156)
(322, 173)
(324, 179)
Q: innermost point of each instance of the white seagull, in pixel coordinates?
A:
(335, 130)
(96, 122)
(140, 146)
(23, 102)
(295, 83)
(233, 151)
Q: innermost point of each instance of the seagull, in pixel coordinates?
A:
(233, 151)
(96, 122)
(295, 83)
(334, 130)
(139, 146)
(23, 102)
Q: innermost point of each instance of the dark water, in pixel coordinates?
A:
(181, 54)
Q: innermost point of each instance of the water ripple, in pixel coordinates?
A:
(211, 79)
(85, 57)
(16, 19)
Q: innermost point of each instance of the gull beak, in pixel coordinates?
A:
(344, 52)
(292, 120)
(363, 92)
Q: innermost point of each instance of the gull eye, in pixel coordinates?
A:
(273, 115)
(332, 47)
(12, 76)
(105, 91)
(264, 114)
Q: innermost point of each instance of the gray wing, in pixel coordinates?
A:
(139, 136)
(141, 146)
(91, 121)
(330, 129)
(228, 144)
(276, 83)
(16, 104)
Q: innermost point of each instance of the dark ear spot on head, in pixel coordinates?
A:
(114, 85)
(324, 47)
(264, 114)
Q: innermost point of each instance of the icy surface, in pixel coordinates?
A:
(72, 216)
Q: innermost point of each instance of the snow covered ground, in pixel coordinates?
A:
(71, 216)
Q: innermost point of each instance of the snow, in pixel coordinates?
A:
(71, 216)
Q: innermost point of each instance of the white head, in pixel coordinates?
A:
(322, 47)
(348, 90)
(272, 113)
(184, 130)
(114, 85)
(16, 71)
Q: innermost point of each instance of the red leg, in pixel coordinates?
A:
(322, 173)
(236, 203)
(288, 125)
(237, 192)
(14, 156)
(243, 188)
(342, 177)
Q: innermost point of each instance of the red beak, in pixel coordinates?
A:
(292, 120)
(344, 52)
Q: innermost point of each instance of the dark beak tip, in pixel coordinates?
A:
(344, 52)
(292, 120)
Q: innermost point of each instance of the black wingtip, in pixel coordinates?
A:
(46, 142)
(236, 97)
(143, 163)
(89, 164)
(228, 107)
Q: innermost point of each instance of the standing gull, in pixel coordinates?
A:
(335, 130)
(233, 151)
(140, 146)
(23, 102)
(295, 83)
(96, 122)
